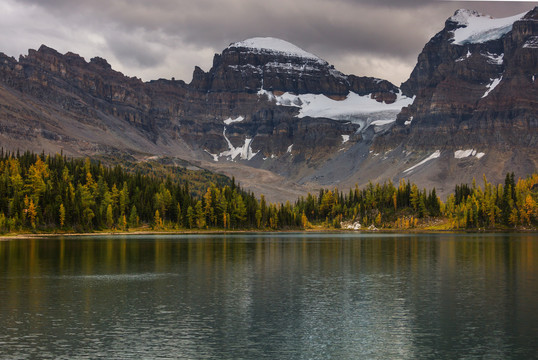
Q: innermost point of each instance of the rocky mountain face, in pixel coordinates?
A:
(243, 116)
(476, 99)
(283, 121)
(278, 66)
(470, 81)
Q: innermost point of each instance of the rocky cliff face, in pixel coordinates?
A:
(257, 107)
(476, 93)
(473, 81)
(258, 89)
(278, 66)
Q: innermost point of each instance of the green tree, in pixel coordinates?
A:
(191, 217)
(179, 216)
(124, 199)
(327, 204)
(109, 216)
(133, 217)
(158, 223)
(199, 215)
(415, 197)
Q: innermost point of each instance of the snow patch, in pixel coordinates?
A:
(531, 43)
(244, 152)
(492, 85)
(478, 28)
(274, 46)
(289, 67)
(408, 122)
(345, 139)
(462, 154)
(382, 122)
(319, 105)
(468, 55)
(337, 74)
(215, 156)
(435, 155)
(236, 120)
(289, 148)
(246, 67)
(494, 58)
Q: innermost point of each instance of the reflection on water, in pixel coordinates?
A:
(343, 296)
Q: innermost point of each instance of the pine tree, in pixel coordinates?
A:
(157, 220)
(109, 217)
(133, 217)
(62, 215)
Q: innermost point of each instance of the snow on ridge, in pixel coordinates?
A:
(479, 28)
(461, 16)
(492, 85)
(337, 74)
(274, 45)
(435, 155)
(246, 66)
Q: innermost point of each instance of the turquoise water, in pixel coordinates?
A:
(271, 296)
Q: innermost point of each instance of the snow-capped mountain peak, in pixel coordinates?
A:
(462, 16)
(474, 27)
(274, 46)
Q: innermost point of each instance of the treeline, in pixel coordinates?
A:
(406, 206)
(49, 193)
(39, 192)
(512, 204)
(379, 205)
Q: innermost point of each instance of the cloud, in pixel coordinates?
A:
(165, 38)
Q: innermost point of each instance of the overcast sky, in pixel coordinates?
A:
(167, 38)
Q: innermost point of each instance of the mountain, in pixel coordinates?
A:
(267, 112)
(283, 121)
(476, 100)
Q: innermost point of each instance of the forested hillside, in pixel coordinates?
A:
(53, 193)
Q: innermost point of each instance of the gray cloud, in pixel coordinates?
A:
(136, 50)
(165, 38)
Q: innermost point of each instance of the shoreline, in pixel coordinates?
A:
(27, 236)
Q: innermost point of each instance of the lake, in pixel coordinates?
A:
(270, 296)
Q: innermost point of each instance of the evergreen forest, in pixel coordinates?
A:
(40, 193)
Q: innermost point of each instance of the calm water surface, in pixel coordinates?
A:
(273, 296)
